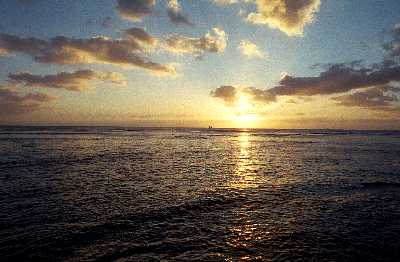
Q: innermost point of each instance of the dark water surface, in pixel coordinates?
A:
(73, 194)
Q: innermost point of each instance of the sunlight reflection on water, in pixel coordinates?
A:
(245, 231)
(245, 175)
(206, 196)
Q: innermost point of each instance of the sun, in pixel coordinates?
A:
(244, 113)
(243, 104)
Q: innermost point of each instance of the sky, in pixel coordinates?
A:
(195, 63)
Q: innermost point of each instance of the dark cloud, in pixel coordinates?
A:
(12, 103)
(338, 78)
(225, 93)
(259, 95)
(374, 80)
(140, 35)
(64, 50)
(175, 14)
(135, 10)
(381, 98)
(327, 66)
(32, 46)
(214, 42)
(74, 81)
(231, 95)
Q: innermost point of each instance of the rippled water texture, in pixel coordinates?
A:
(218, 195)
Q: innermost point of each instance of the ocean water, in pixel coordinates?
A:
(106, 194)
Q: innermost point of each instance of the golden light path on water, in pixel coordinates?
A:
(246, 231)
(245, 175)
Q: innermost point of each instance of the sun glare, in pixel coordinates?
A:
(244, 112)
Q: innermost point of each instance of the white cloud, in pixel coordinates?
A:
(250, 50)
(212, 42)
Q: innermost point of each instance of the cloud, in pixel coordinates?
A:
(174, 12)
(250, 50)
(232, 94)
(376, 98)
(12, 103)
(224, 2)
(225, 93)
(231, 2)
(135, 10)
(63, 50)
(338, 78)
(286, 15)
(373, 87)
(374, 82)
(259, 96)
(140, 35)
(212, 42)
(74, 81)
(393, 47)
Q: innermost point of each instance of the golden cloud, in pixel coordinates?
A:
(286, 15)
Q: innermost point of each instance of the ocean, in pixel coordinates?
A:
(176, 194)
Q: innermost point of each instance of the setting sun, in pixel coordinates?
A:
(245, 114)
